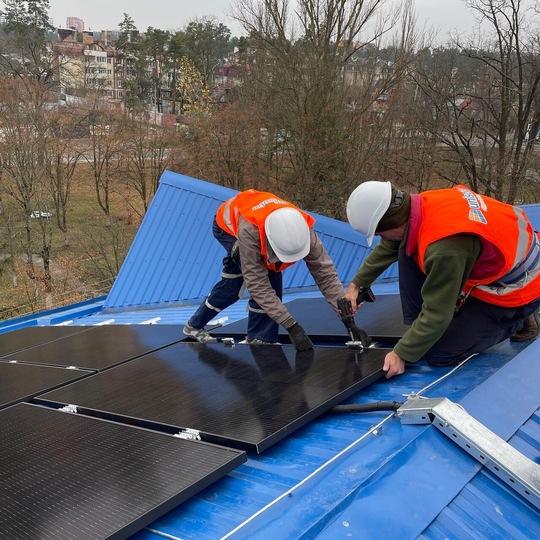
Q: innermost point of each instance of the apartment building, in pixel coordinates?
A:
(84, 64)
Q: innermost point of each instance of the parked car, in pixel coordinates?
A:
(37, 214)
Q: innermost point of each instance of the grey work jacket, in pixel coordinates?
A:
(256, 279)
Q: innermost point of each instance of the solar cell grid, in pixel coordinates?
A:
(247, 396)
(65, 476)
(101, 347)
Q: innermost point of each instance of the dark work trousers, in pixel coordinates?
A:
(476, 327)
(226, 292)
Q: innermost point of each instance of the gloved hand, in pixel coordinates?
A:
(234, 252)
(299, 338)
(360, 335)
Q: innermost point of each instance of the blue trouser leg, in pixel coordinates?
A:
(260, 325)
(225, 292)
(474, 329)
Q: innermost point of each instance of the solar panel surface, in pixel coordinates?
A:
(246, 396)
(382, 320)
(65, 476)
(102, 347)
(21, 382)
(33, 336)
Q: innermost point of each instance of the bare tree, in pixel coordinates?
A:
(147, 152)
(485, 102)
(22, 153)
(300, 70)
(62, 154)
(105, 152)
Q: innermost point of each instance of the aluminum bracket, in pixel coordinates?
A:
(510, 465)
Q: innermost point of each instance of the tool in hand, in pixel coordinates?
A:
(365, 294)
(359, 337)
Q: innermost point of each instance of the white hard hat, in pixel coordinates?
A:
(367, 205)
(288, 234)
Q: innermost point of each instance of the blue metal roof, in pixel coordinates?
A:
(174, 258)
(342, 475)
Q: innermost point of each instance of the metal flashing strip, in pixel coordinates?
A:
(516, 470)
(67, 476)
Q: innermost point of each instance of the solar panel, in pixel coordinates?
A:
(248, 397)
(32, 336)
(20, 382)
(65, 476)
(382, 320)
(102, 346)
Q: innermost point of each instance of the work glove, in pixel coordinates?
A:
(234, 252)
(360, 335)
(299, 338)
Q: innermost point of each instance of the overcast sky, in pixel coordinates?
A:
(445, 15)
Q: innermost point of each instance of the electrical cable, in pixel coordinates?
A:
(367, 407)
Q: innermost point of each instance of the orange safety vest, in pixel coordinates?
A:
(255, 206)
(509, 266)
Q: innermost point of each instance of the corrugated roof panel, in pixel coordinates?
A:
(175, 234)
(323, 479)
(174, 257)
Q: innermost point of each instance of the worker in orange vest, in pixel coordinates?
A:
(469, 269)
(263, 235)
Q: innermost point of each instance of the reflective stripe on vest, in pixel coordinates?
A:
(510, 277)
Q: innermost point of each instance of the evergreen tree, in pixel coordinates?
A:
(23, 51)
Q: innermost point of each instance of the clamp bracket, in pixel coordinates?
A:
(511, 466)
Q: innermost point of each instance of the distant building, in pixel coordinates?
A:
(75, 23)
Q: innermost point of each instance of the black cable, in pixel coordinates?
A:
(367, 407)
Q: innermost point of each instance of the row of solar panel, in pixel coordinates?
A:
(115, 467)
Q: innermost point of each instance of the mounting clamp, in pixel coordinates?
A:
(510, 465)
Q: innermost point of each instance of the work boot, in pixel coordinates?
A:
(257, 341)
(200, 335)
(530, 330)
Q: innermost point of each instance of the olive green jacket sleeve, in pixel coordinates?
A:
(383, 255)
(448, 263)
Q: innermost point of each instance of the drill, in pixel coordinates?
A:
(345, 309)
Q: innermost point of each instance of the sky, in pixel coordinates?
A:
(445, 15)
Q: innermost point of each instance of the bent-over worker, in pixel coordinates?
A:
(263, 235)
(469, 269)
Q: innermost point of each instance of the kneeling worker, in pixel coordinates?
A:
(263, 235)
(469, 269)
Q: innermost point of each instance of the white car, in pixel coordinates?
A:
(38, 214)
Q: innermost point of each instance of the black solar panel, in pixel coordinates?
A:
(69, 477)
(20, 382)
(32, 336)
(248, 397)
(102, 346)
(382, 320)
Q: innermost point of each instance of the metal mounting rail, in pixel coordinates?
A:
(510, 465)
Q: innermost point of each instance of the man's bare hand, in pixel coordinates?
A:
(352, 294)
(393, 365)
